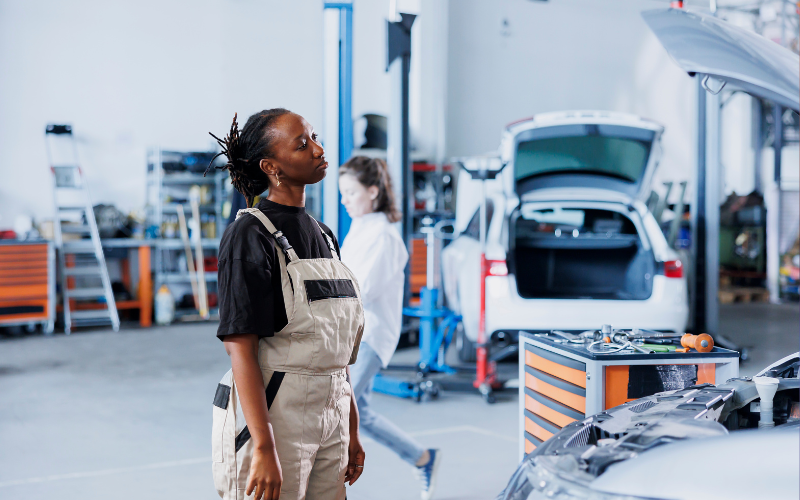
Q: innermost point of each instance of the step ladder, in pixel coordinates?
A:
(83, 275)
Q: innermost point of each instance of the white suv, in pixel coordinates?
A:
(571, 244)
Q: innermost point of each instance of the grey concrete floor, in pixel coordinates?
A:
(768, 331)
(128, 415)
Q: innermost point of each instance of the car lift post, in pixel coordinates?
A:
(485, 369)
(398, 65)
(338, 112)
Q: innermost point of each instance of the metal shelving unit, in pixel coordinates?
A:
(167, 188)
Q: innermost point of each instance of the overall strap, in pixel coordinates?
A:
(328, 239)
(283, 243)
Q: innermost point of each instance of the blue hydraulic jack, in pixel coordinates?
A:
(433, 343)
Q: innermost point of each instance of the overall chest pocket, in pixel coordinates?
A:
(335, 307)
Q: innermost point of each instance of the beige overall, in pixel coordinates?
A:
(307, 392)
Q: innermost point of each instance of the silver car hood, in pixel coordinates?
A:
(705, 45)
(722, 467)
(672, 445)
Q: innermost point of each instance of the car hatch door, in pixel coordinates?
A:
(710, 47)
(595, 153)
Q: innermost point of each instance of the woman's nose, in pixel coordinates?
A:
(318, 150)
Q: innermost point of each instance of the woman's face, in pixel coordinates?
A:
(297, 156)
(356, 198)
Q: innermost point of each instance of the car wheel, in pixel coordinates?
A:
(465, 347)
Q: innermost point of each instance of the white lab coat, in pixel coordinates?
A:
(376, 254)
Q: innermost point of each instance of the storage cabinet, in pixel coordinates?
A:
(562, 382)
(27, 284)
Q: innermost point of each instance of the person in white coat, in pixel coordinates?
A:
(377, 256)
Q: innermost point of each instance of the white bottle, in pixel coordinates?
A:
(165, 306)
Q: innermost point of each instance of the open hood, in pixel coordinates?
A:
(586, 150)
(705, 45)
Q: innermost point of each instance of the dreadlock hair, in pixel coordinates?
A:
(374, 172)
(245, 149)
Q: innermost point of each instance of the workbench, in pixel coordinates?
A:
(561, 382)
(143, 249)
(144, 290)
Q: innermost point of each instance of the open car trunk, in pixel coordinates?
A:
(578, 254)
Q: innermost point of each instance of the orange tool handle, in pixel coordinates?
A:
(701, 343)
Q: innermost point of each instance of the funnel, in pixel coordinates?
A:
(766, 387)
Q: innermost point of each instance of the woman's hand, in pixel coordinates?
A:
(355, 461)
(266, 476)
(265, 469)
(355, 452)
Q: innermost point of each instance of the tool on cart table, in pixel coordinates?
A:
(659, 348)
(83, 274)
(607, 340)
(701, 343)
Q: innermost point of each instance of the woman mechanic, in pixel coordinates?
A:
(291, 321)
(375, 252)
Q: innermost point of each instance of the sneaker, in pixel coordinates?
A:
(427, 474)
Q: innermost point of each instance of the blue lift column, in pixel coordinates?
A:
(336, 216)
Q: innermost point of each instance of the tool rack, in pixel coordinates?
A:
(161, 183)
(563, 382)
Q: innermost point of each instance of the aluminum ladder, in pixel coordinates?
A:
(83, 274)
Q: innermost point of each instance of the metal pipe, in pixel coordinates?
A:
(698, 218)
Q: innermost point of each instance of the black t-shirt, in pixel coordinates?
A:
(250, 293)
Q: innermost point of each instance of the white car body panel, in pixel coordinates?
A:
(667, 307)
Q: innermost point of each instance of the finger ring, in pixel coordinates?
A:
(360, 466)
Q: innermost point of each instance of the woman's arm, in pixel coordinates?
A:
(356, 455)
(265, 469)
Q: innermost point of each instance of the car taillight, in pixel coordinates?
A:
(673, 269)
(496, 268)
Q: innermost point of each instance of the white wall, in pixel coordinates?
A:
(371, 82)
(562, 55)
(134, 75)
(131, 75)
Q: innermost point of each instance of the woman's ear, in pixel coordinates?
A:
(373, 192)
(267, 167)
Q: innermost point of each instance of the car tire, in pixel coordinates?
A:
(465, 347)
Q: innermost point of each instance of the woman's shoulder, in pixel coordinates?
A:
(327, 230)
(246, 238)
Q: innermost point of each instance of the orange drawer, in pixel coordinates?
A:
(31, 254)
(22, 281)
(23, 310)
(563, 392)
(24, 249)
(539, 428)
(550, 414)
(529, 447)
(23, 291)
(537, 360)
(37, 272)
(22, 266)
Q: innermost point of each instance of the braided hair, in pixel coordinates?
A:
(245, 149)
(374, 172)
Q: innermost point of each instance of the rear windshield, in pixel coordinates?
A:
(573, 221)
(589, 152)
